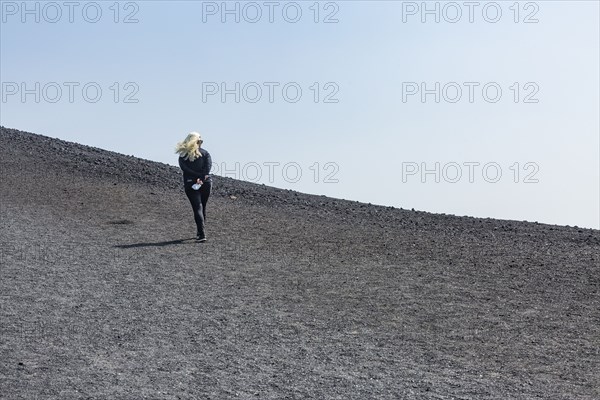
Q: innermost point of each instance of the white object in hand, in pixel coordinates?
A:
(196, 186)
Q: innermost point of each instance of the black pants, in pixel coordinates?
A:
(198, 199)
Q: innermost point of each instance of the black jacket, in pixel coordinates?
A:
(199, 168)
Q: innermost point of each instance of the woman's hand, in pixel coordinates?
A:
(199, 181)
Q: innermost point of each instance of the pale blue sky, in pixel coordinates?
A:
(370, 133)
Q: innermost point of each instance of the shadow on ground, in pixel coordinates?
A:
(156, 244)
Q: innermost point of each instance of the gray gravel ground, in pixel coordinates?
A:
(103, 294)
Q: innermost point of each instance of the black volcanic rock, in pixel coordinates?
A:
(103, 294)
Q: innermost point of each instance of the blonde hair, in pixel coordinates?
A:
(189, 148)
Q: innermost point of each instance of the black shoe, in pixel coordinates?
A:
(201, 238)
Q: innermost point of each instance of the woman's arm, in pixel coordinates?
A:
(207, 165)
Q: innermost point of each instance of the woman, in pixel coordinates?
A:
(195, 162)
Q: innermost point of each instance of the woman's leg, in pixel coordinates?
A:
(204, 195)
(196, 202)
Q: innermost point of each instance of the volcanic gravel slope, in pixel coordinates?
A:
(104, 296)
